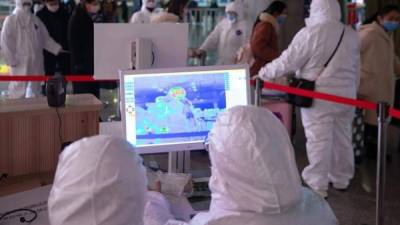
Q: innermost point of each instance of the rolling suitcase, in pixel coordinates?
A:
(276, 103)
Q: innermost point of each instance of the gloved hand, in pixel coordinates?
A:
(200, 52)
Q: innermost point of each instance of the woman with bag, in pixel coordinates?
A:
(264, 41)
(378, 74)
(325, 54)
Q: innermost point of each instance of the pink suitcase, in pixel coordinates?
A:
(276, 104)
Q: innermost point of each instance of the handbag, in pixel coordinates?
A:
(307, 102)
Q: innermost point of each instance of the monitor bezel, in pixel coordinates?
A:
(196, 145)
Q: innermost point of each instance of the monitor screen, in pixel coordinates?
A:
(175, 110)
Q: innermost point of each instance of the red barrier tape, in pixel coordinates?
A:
(318, 95)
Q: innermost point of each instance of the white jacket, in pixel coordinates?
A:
(99, 181)
(255, 180)
(227, 38)
(23, 39)
(313, 45)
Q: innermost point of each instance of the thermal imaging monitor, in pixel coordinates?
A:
(174, 109)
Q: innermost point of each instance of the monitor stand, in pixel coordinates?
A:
(179, 162)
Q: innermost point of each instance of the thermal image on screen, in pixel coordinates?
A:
(175, 109)
(180, 108)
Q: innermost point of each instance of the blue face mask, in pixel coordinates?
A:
(391, 26)
(281, 19)
(231, 17)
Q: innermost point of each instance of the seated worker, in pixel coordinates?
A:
(101, 181)
(255, 180)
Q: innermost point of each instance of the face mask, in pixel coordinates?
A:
(53, 8)
(281, 19)
(94, 9)
(232, 18)
(391, 26)
(26, 8)
(150, 5)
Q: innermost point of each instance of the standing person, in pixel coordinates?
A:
(176, 11)
(124, 11)
(55, 18)
(23, 39)
(144, 15)
(81, 43)
(254, 177)
(228, 36)
(109, 9)
(327, 125)
(264, 41)
(70, 6)
(378, 74)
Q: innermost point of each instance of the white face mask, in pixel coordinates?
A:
(94, 8)
(53, 8)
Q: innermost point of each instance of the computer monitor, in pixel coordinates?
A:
(174, 109)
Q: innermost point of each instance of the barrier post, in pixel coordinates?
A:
(257, 92)
(383, 121)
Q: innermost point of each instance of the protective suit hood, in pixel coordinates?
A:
(237, 8)
(99, 180)
(19, 3)
(324, 10)
(144, 3)
(243, 137)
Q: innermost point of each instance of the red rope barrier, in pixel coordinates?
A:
(317, 95)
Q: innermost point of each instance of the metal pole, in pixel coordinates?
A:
(383, 121)
(257, 93)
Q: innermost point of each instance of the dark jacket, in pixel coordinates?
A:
(264, 44)
(57, 26)
(81, 43)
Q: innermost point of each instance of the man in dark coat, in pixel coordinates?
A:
(81, 43)
(55, 18)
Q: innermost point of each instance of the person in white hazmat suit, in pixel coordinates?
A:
(101, 181)
(254, 177)
(327, 125)
(228, 36)
(23, 39)
(144, 15)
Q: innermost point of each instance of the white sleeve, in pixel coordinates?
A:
(157, 210)
(8, 42)
(135, 18)
(212, 41)
(291, 60)
(48, 42)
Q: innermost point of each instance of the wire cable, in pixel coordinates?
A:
(60, 126)
(22, 219)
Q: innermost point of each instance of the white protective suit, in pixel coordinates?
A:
(327, 125)
(227, 38)
(23, 39)
(99, 181)
(254, 179)
(144, 15)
